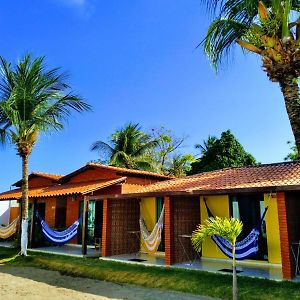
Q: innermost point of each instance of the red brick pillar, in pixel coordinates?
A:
(50, 211)
(169, 232)
(106, 227)
(286, 257)
(72, 214)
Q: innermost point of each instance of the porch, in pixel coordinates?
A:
(69, 250)
(222, 266)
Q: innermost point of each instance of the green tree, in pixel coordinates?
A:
(293, 155)
(127, 148)
(180, 165)
(221, 153)
(165, 158)
(33, 99)
(269, 28)
(229, 229)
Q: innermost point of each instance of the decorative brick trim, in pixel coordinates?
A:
(106, 228)
(169, 232)
(287, 266)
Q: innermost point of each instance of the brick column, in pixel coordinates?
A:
(50, 211)
(169, 231)
(287, 265)
(106, 227)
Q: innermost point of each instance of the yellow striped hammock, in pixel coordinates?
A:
(9, 230)
(151, 240)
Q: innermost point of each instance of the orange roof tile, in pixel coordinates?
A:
(61, 190)
(53, 177)
(122, 171)
(47, 175)
(260, 176)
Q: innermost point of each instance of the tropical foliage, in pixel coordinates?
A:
(293, 155)
(221, 153)
(229, 229)
(33, 99)
(180, 165)
(269, 28)
(131, 147)
(127, 148)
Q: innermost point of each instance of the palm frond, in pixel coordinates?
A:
(229, 229)
(220, 38)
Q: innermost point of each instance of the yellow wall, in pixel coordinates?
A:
(272, 224)
(148, 211)
(219, 206)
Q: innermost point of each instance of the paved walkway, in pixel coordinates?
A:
(32, 283)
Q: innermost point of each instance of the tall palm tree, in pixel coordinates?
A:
(33, 100)
(128, 148)
(229, 229)
(267, 29)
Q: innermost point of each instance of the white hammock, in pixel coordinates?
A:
(152, 239)
(9, 230)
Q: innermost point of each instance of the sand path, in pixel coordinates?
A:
(31, 283)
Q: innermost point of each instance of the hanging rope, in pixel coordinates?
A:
(9, 230)
(152, 240)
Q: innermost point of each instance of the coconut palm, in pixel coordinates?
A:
(180, 164)
(269, 28)
(127, 148)
(229, 229)
(33, 100)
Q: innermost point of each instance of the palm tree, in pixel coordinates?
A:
(127, 149)
(266, 29)
(33, 100)
(180, 164)
(207, 144)
(229, 229)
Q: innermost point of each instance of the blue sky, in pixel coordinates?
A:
(136, 61)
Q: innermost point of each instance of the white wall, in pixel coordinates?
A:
(4, 212)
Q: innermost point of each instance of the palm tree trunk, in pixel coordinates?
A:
(24, 229)
(290, 90)
(234, 277)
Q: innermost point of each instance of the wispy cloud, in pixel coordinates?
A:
(76, 3)
(85, 8)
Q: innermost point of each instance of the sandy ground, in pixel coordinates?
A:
(31, 283)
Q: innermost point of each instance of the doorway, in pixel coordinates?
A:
(249, 209)
(94, 223)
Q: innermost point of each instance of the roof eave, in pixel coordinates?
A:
(266, 189)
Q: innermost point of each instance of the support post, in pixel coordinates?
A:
(169, 232)
(85, 225)
(285, 243)
(32, 225)
(106, 251)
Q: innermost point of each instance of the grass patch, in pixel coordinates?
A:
(196, 282)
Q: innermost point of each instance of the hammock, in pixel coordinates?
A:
(59, 237)
(243, 249)
(9, 230)
(153, 239)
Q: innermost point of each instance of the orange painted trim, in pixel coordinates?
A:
(287, 267)
(169, 232)
(106, 229)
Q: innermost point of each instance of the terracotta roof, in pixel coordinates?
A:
(122, 171)
(54, 177)
(261, 176)
(61, 190)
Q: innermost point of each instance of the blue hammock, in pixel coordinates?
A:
(243, 249)
(59, 237)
